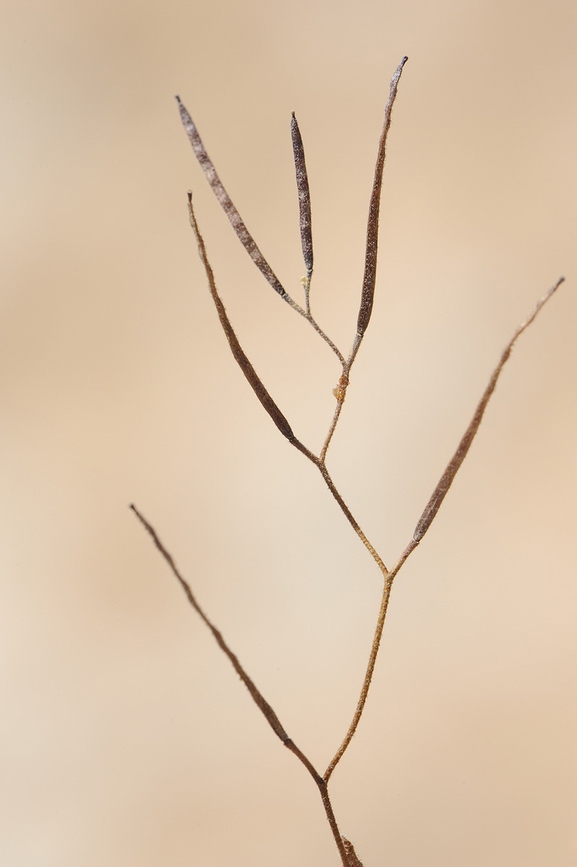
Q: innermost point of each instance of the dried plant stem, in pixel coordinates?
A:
(349, 516)
(241, 229)
(376, 643)
(446, 479)
(320, 462)
(261, 392)
(255, 693)
(345, 848)
(426, 520)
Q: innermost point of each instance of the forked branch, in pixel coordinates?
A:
(255, 693)
(454, 464)
(425, 522)
(345, 848)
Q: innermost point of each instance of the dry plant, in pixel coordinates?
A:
(345, 847)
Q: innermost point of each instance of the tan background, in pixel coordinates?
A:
(126, 739)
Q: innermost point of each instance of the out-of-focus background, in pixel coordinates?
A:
(126, 738)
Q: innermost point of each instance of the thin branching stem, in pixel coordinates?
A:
(454, 464)
(350, 517)
(345, 848)
(426, 520)
(256, 695)
(362, 700)
(262, 393)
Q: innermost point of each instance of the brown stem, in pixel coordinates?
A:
(454, 464)
(349, 516)
(255, 693)
(339, 840)
(376, 643)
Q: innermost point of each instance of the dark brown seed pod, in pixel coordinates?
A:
(304, 195)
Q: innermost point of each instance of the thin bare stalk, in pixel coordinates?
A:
(362, 700)
(255, 693)
(375, 646)
(349, 516)
(238, 352)
(339, 839)
(309, 317)
(425, 521)
(345, 848)
(339, 392)
(261, 392)
(454, 464)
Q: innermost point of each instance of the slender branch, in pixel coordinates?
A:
(339, 392)
(239, 354)
(309, 317)
(454, 464)
(371, 255)
(346, 850)
(261, 392)
(425, 522)
(349, 516)
(256, 695)
(375, 646)
(362, 700)
(339, 839)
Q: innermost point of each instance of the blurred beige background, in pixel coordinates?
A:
(126, 739)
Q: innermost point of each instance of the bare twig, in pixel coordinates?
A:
(423, 525)
(345, 848)
(446, 479)
(255, 693)
(243, 362)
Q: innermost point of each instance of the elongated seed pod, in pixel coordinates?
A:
(372, 244)
(226, 203)
(304, 195)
